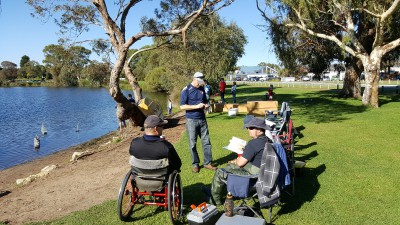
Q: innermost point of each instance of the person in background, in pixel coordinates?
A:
(247, 164)
(270, 92)
(222, 86)
(151, 147)
(121, 116)
(233, 90)
(207, 89)
(131, 99)
(169, 106)
(194, 102)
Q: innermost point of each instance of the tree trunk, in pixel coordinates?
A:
(133, 82)
(351, 83)
(371, 69)
(131, 111)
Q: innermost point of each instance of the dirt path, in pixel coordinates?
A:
(89, 181)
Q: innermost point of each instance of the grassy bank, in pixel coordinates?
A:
(352, 157)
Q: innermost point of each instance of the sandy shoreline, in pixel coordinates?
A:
(89, 181)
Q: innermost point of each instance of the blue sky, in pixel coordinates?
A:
(25, 35)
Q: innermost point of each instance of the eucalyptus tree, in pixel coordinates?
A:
(212, 46)
(173, 18)
(9, 71)
(96, 73)
(65, 64)
(348, 19)
(24, 59)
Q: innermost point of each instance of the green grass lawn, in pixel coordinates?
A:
(352, 154)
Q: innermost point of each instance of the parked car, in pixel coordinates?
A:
(325, 78)
(238, 79)
(305, 78)
(254, 79)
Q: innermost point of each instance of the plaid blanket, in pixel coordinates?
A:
(267, 187)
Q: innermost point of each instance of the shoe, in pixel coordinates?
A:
(195, 169)
(210, 167)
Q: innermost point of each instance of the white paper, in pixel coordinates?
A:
(236, 145)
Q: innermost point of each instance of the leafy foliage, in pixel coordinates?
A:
(212, 46)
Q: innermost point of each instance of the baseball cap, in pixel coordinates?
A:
(154, 121)
(199, 77)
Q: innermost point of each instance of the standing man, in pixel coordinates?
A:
(222, 86)
(194, 102)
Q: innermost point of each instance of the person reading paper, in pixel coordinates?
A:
(246, 164)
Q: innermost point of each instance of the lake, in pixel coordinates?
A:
(23, 110)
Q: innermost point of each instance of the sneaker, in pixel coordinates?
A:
(195, 169)
(210, 167)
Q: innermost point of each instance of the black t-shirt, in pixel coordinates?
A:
(154, 149)
(254, 150)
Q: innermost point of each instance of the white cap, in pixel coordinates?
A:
(198, 76)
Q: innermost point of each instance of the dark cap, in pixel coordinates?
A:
(154, 121)
(257, 123)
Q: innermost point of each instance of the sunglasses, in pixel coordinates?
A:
(251, 128)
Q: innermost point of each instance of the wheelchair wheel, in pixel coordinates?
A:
(126, 197)
(175, 197)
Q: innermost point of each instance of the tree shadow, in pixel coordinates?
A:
(388, 98)
(322, 106)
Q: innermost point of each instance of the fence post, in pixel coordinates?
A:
(337, 86)
(397, 89)
(383, 89)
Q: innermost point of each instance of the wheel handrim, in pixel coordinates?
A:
(175, 199)
(128, 199)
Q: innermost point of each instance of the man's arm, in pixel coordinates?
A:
(175, 162)
(240, 161)
(191, 107)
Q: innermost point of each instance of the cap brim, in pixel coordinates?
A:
(201, 81)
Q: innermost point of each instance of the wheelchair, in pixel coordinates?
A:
(150, 187)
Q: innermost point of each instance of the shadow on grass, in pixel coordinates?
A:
(307, 157)
(383, 100)
(301, 147)
(192, 194)
(307, 187)
(225, 159)
(319, 106)
(138, 210)
(322, 106)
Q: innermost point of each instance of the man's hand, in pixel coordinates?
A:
(201, 105)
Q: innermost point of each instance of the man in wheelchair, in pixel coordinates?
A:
(247, 164)
(154, 176)
(152, 147)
